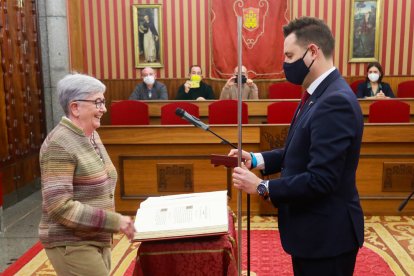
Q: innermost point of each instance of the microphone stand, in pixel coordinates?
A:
(223, 141)
(405, 202)
(226, 142)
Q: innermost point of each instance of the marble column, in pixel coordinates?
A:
(55, 54)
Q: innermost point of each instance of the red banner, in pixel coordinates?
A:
(262, 37)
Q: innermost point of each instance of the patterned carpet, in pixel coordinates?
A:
(391, 238)
(388, 250)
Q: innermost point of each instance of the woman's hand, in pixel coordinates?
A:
(380, 95)
(127, 227)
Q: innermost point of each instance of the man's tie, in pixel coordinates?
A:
(302, 103)
(304, 99)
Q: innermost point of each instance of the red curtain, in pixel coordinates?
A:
(262, 37)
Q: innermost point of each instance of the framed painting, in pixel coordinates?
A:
(365, 30)
(147, 22)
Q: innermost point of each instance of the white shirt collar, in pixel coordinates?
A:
(318, 81)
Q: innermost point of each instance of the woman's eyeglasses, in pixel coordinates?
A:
(98, 102)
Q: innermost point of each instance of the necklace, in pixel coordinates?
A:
(95, 146)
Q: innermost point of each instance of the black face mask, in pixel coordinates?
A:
(296, 71)
(243, 77)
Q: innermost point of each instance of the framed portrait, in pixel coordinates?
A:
(365, 30)
(147, 21)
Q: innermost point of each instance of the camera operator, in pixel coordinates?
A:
(249, 89)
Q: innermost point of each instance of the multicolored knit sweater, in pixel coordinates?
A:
(77, 188)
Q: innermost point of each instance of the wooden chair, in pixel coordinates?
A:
(281, 112)
(129, 112)
(285, 90)
(389, 111)
(168, 116)
(354, 85)
(225, 112)
(406, 89)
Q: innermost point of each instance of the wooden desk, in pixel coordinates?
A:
(257, 109)
(159, 160)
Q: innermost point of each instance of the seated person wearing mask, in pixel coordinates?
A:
(195, 88)
(149, 89)
(373, 87)
(249, 89)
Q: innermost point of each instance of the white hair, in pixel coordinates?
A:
(77, 87)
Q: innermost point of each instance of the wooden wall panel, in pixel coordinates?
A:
(22, 125)
(35, 116)
(4, 149)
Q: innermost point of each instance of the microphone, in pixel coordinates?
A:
(191, 119)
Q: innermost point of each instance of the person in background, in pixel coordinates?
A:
(373, 87)
(78, 184)
(195, 88)
(150, 88)
(249, 92)
(320, 219)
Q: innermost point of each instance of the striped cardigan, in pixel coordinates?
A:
(77, 188)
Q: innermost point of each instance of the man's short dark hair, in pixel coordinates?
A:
(195, 65)
(311, 30)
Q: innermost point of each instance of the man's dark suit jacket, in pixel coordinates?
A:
(319, 209)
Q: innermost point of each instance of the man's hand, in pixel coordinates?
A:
(245, 180)
(249, 82)
(187, 86)
(230, 82)
(245, 155)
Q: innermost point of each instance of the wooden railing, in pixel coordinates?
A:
(257, 109)
(121, 89)
(159, 160)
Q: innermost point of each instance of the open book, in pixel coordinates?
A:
(183, 215)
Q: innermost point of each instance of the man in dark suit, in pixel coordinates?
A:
(321, 222)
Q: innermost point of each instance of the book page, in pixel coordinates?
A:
(187, 214)
(180, 198)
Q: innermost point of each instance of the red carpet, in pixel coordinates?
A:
(267, 258)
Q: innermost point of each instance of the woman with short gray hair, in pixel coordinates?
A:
(78, 184)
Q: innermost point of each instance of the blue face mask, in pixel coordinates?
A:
(296, 71)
